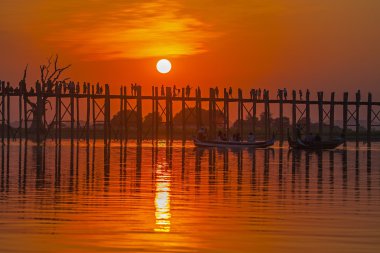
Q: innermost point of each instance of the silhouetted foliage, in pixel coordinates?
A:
(260, 123)
(191, 118)
(128, 115)
(148, 119)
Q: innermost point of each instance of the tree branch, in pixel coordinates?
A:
(48, 67)
(33, 105)
(59, 72)
(54, 76)
(42, 70)
(25, 72)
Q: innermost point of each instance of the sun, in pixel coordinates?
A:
(164, 66)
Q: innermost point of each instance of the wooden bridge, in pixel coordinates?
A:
(66, 100)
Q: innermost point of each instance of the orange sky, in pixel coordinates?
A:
(324, 44)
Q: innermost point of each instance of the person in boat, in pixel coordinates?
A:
(251, 137)
(298, 130)
(309, 138)
(220, 136)
(236, 137)
(317, 138)
(202, 134)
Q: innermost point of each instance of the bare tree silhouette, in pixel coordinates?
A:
(50, 80)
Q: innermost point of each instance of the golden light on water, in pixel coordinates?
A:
(162, 199)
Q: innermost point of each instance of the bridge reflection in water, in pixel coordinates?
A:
(129, 197)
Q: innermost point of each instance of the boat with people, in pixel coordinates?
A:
(233, 144)
(315, 143)
(222, 142)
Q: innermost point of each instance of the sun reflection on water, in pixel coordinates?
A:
(162, 199)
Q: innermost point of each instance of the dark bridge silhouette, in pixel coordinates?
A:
(66, 100)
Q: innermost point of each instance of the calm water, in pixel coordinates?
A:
(159, 199)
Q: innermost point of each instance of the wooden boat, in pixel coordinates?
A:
(316, 145)
(233, 144)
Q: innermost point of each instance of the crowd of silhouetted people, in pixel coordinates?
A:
(176, 92)
(10, 90)
(76, 88)
(50, 88)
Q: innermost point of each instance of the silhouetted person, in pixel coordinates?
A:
(259, 93)
(251, 93)
(68, 88)
(72, 87)
(188, 91)
(97, 88)
(220, 135)
(135, 89)
(300, 92)
(162, 90)
(251, 137)
(235, 137)
(230, 92)
(49, 87)
(309, 138)
(217, 92)
(77, 88)
(202, 134)
(298, 130)
(285, 94)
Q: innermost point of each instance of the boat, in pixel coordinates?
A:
(315, 145)
(233, 144)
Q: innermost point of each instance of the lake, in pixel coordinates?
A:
(160, 198)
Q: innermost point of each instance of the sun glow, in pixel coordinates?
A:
(164, 66)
